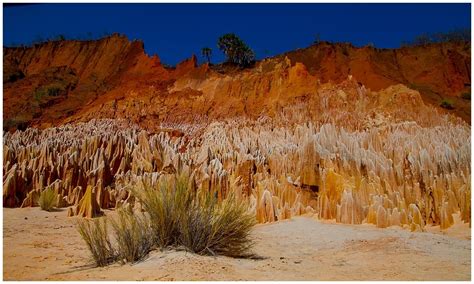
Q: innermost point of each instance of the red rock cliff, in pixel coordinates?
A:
(66, 81)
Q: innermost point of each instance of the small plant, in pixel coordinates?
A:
(345, 50)
(213, 228)
(177, 215)
(447, 104)
(206, 52)
(231, 228)
(18, 122)
(466, 96)
(49, 90)
(94, 232)
(133, 235)
(317, 38)
(196, 220)
(14, 76)
(459, 35)
(47, 199)
(165, 205)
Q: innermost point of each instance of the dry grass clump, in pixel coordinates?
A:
(165, 206)
(215, 228)
(176, 215)
(95, 234)
(47, 199)
(181, 216)
(133, 236)
(131, 233)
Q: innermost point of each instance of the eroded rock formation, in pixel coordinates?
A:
(328, 130)
(344, 153)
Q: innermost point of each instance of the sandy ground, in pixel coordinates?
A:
(39, 245)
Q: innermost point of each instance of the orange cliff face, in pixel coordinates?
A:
(437, 71)
(67, 81)
(60, 78)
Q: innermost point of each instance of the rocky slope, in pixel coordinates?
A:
(65, 81)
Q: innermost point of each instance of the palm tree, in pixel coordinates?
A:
(206, 52)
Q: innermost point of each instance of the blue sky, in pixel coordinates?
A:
(176, 31)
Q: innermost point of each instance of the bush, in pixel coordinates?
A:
(18, 122)
(206, 52)
(466, 96)
(180, 216)
(217, 228)
(459, 35)
(14, 76)
(165, 205)
(231, 225)
(447, 104)
(47, 199)
(133, 236)
(94, 232)
(48, 91)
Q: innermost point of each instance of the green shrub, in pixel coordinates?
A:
(94, 232)
(47, 199)
(466, 96)
(447, 104)
(52, 90)
(18, 122)
(133, 236)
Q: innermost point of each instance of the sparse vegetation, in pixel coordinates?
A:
(345, 50)
(447, 104)
(47, 199)
(466, 96)
(456, 35)
(38, 40)
(217, 228)
(95, 234)
(52, 90)
(131, 233)
(133, 236)
(165, 205)
(317, 38)
(206, 52)
(14, 76)
(236, 51)
(19, 122)
(177, 215)
(196, 220)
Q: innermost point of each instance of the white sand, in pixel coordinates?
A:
(46, 246)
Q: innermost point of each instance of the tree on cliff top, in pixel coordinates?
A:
(236, 51)
(460, 35)
(206, 52)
